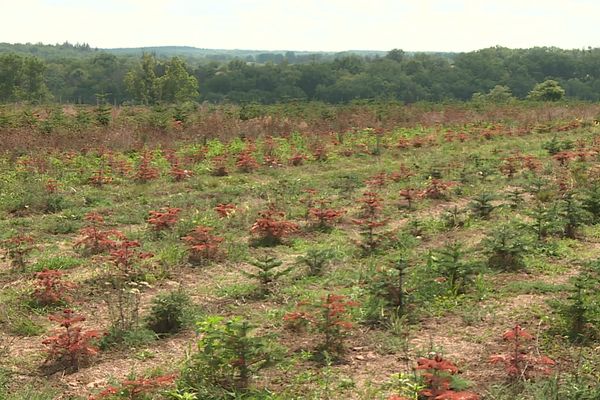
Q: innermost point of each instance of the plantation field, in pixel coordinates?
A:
(367, 252)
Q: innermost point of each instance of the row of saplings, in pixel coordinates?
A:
(505, 247)
(327, 317)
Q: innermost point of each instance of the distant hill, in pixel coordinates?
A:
(58, 51)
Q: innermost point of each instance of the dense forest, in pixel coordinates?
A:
(80, 74)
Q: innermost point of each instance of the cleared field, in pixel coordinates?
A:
(418, 253)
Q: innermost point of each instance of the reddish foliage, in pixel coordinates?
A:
(93, 239)
(437, 377)
(564, 157)
(99, 178)
(51, 289)
(135, 388)
(125, 254)
(146, 172)
(225, 210)
(531, 163)
(297, 159)
(570, 126)
(177, 173)
(73, 345)
(120, 166)
(517, 362)
(203, 245)
(51, 186)
(437, 189)
(403, 143)
(329, 317)
(17, 248)
(325, 217)
(271, 226)
(246, 162)
(403, 173)
(272, 161)
(320, 153)
(164, 219)
(371, 206)
(509, 166)
(269, 146)
(379, 180)
(219, 166)
(410, 195)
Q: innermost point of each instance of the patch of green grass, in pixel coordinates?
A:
(238, 291)
(56, 263)
(533, 287)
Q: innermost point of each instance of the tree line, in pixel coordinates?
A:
(396, 76)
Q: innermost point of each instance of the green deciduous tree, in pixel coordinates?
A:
(549, 90)
(177, 85)
(22, 79)
(141, 80)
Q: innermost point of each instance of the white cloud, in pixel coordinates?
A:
(443, 25)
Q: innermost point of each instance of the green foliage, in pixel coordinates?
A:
(481, 205)
(545, 220)
(574, 214)
(228, 357)
(76, 74)
(169, 312)
(22, 79)
(549, 90)
(132, 338)
(389, 295)
(506, 247)
(103, 111)
(175, 85)
(55, 263)
(555, 146)
(498, 94)
(450, 264)
(580, 312)
(591, 201)
(317, 260)
(267, 272)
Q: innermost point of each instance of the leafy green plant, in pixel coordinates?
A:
(555, 146)
(317, 260)
(268, 272)
(514, 198)
(545, 220)
(454, 217)
(506, 247)
(580, 311)
(591, 201)
(481, 205)
(574, 214)
(450, 263)
(168, 312)
(228, 356)
(388, 287)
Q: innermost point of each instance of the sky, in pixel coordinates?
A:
(312, 25)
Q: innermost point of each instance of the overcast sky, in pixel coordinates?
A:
(330, 25)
